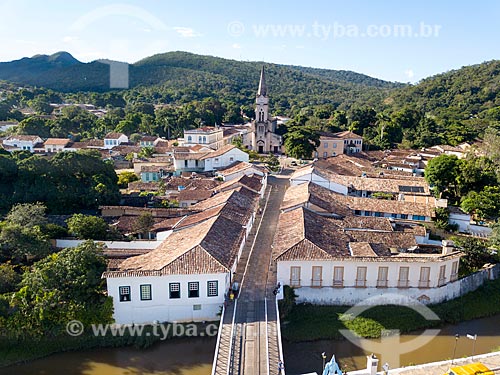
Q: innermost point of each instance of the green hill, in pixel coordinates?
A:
(182, 76)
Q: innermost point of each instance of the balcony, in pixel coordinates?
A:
(403, 284)
(381, 283)
(360, 284)
(454, 277)
(316, 283)
(442, 281)
(338, 283)
(294, 283)
(424, 284)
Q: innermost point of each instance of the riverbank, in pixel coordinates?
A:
(305, 322)
(21, 350)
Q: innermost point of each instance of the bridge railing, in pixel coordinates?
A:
(278, 329)
(221, 323)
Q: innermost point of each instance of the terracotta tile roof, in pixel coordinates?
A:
(194, 195)
(381, 184)
(32, 138)
(125, 223)
(315, 196)
(302, 234)
(362, 249)
(394, 239)
(219, 152)
(144, 186)
(78, 145)
(189, 155)
(239, 166)
(366, 222)
(209, 247)
(306, 235)
(148, 138)
(253, 182)
(57, 141)
(347, 135)
(152, 168)
(94, 143)
(390, 206)
(113, 135)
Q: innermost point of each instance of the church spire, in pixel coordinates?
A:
(262, 83)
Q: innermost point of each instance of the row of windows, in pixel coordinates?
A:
(325, 145)
(382, 276)
(356, 142)
(394, 216)
(110, 142)
(174, 289)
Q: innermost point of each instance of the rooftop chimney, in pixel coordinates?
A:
(448, 247)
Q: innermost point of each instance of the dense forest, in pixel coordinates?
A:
(177, 90)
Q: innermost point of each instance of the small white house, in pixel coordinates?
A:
(223, 157)
(208, 161)
(207, 136)
(22, 142)
(114, 139)
(56, 144)
(187, 276)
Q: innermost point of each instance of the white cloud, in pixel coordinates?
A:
(300, 47)
(187, 32)
(409, 73)
(236, 46)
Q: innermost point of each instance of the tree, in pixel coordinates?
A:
(476, 255)
(23, 244)
(87, 227)
(62, 287)
(143, 223)
(27, 214)
(22, 237)
(495, 236)
(125, 178)
(9, 278)
(301, 142)
(484, 204)
(441, 172)
(475, 173)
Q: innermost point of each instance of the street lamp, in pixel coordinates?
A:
(474, 338)
(323, 355)
(457, 336)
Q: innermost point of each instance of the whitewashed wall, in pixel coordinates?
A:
(161, 307)
(225, 159)
(62, 244)
(350, 295)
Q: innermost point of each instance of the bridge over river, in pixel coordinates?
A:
(249, 339)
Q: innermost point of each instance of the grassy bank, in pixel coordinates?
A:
(306, 322)
(20, 350)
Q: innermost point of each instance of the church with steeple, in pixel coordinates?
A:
(263, 137)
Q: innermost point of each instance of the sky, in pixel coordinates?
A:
(399, 40)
